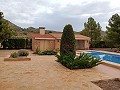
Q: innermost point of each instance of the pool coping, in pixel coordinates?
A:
(111, 64)
(108, 63)
(105, 52)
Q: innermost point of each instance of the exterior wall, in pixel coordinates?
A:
(51, 45)
(57, 44)
(80, 44)
(43, 44)
(86, 45)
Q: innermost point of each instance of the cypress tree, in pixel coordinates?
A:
(67, 45)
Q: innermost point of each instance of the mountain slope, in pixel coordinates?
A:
(26, 31)
(15, 27)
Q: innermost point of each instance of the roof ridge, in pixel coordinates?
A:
(52, 35)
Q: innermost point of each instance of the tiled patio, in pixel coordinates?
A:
(44, 73)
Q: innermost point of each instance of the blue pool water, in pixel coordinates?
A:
(105, 56)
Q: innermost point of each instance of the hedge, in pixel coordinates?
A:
(17, 44)
(100, 44)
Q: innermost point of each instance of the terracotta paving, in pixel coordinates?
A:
(44, 73)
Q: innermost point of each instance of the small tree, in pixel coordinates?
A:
(5, 31)
(67, 45)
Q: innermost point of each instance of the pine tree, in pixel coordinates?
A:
(67, 45)
(1, 21)
(92, 30)
(5, 31)
(113, 30)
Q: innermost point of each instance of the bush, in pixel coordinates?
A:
(47, 52)
(67, 44)
(98, 44)
(37, 51)
(81, 62)
(23, 53)
(102, 44)
(17, 43)
(14, 55)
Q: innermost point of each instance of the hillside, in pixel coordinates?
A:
(26, 31)
(30, 30)
(15, 27)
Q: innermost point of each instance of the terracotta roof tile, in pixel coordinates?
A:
(81, 36)
(77, 36)
(58, 36)
(42, 36)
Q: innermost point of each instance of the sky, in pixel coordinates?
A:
(55, 14)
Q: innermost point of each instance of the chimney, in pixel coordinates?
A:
(42, 30)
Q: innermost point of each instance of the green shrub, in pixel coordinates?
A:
(23, 53)
(14, 55)
(17, 43)
(49, 52)
(67, 44)
(81, 62)
(37, 51)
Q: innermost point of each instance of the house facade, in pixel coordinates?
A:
(51, 41)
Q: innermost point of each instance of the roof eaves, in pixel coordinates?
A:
(44, 38)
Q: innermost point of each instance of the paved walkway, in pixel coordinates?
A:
(44, 73)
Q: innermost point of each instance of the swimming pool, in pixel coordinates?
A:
(105, 56)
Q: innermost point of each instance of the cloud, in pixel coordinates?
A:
(55, 14)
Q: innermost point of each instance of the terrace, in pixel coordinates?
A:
(43, 72)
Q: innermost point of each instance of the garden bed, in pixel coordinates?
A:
(17, 59)
(109, 84)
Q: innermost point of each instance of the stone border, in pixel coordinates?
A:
(116, 79)
(104, 52)
(17, 59)
(111, 64)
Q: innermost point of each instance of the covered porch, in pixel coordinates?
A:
(82, 44)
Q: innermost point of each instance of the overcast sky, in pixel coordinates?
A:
(55, 14)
